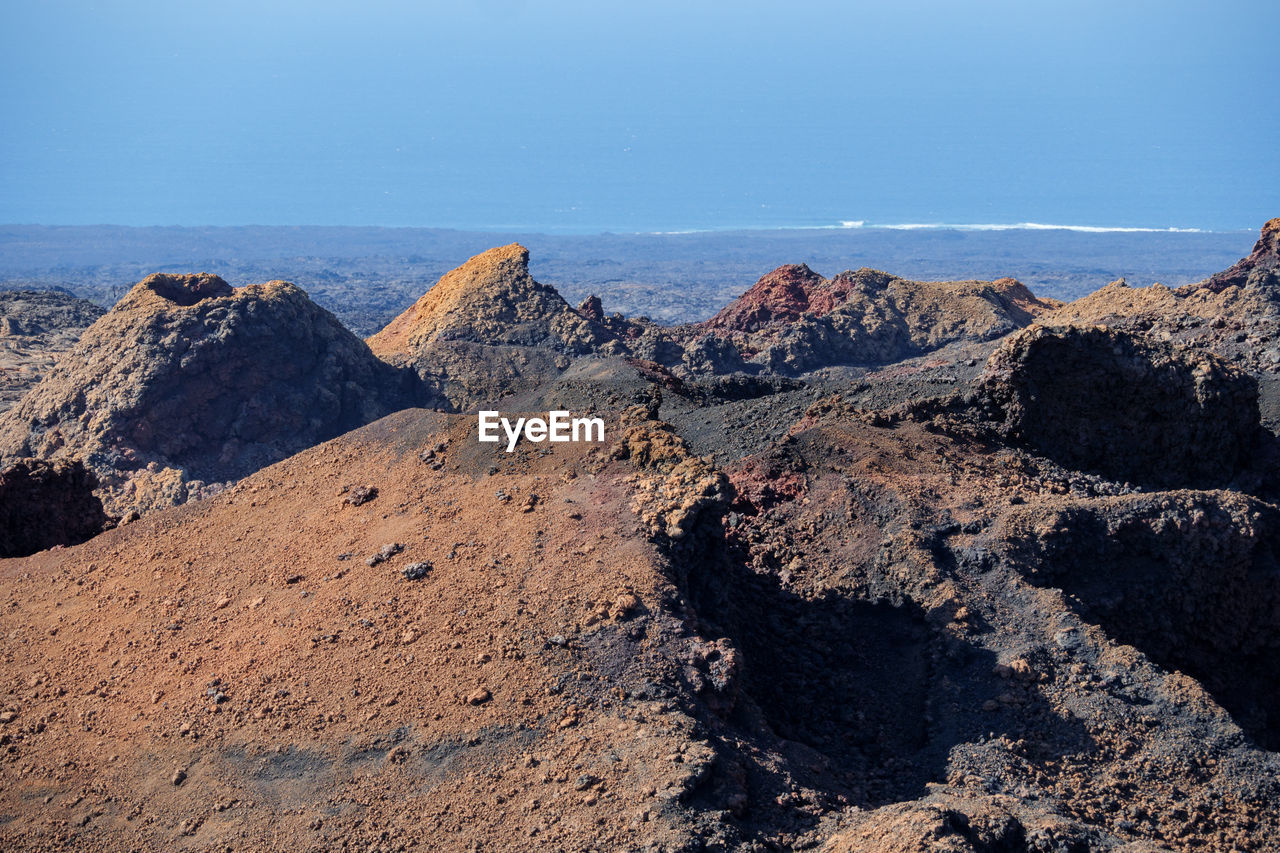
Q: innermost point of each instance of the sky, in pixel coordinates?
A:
(570, 116)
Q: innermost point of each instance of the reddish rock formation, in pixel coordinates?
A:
(778, 297)
(592, 308)
(794, 320)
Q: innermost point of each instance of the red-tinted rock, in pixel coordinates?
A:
(778, 297)
(1261, 269)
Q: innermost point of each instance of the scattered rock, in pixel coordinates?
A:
(416, 571)
(623, 606)
(386, 552)
(360, 495)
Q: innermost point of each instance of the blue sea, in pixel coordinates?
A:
(574, 117)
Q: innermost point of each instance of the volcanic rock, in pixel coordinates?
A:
(43, 504)
(1189, 577)
(188, 382)
(1101, 400)
(35, 328)
(763, 616)
(486, 329)
(794, 320)
(1234, 314)
(591, 308)
(779, 297)
(1260, 270)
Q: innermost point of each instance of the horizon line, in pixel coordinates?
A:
(842, 225)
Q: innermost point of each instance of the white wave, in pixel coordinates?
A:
(848, 224)
(1035, 226)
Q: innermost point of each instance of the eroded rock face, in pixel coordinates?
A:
(188, 382)
(1102, 400)
(43, 504)
(1190, 578)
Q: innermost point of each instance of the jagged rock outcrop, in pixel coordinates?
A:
(676, 491)
(1189, 577)
(487, 329)
(1260, 270)
(794, 320)
(44, 503)
(35, 327)
(188, 382)
(1103, 400)
(1234, 314)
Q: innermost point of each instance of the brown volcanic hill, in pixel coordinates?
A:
(487, 328)
(908, 640)
(36, 327)
(794, 320)
(778, 297)
(188, 381)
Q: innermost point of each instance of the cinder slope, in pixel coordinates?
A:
(236, 672)
(867, 632)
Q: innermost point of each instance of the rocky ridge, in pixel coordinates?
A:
(1234, 314)
(1016, 592)
(794, 320)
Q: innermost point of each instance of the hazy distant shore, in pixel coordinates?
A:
(366, 275)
